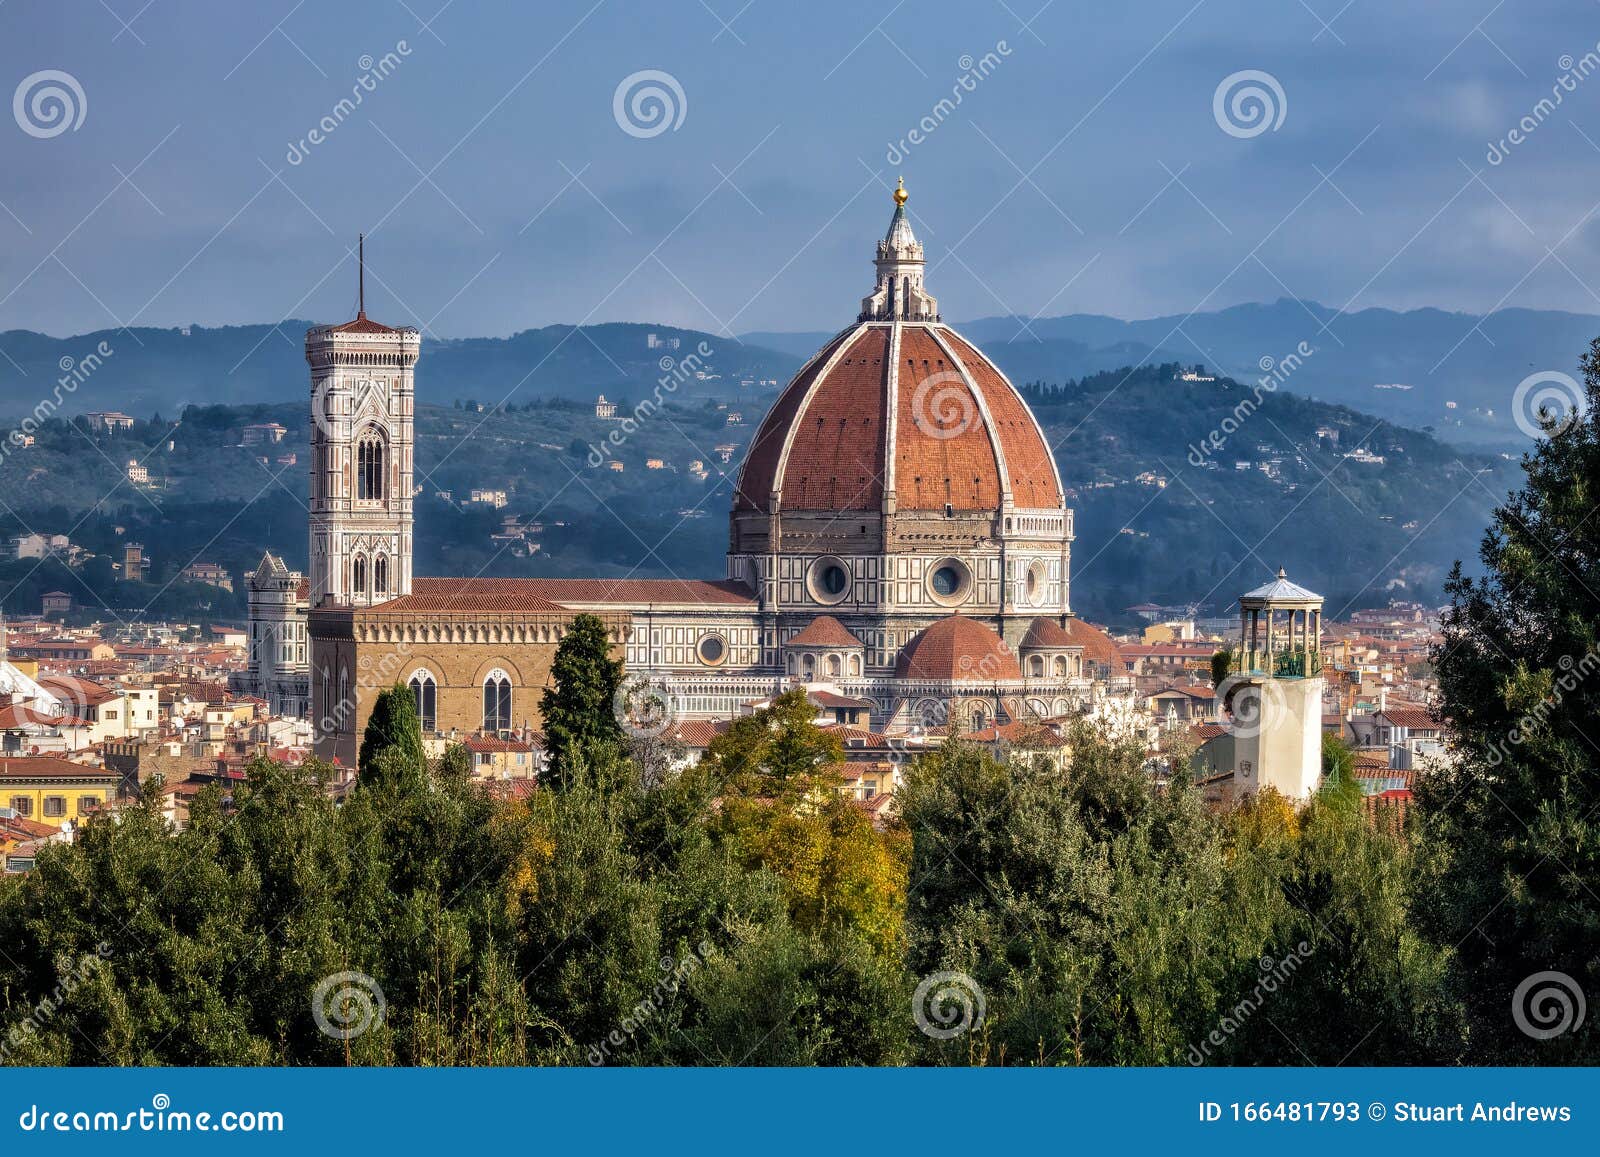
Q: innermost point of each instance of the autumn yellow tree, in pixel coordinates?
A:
(783, 807)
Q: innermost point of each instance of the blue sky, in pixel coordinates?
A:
(1086, 172)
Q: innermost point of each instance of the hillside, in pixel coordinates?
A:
(1151, 523)
(1471, 360)
(1475, 362)
(163, 370)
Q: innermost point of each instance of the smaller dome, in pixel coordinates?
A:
(1046, 634)
(825, 631)
(957, 650)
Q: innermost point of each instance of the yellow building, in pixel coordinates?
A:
(53, 791)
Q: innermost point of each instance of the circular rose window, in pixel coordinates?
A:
(949, 582)
(829, 581)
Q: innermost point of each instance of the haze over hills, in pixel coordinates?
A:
(162, 370)
(1473, 361)
(1194, 506)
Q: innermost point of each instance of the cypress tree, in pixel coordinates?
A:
(393, 723)
(579, 707)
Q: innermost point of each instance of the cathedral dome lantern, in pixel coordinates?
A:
(899, 292)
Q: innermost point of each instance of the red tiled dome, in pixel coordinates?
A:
(824, 631)
(1047, 634)
(937, 422)
(957, 649)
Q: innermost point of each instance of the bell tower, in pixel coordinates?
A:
(361, 457)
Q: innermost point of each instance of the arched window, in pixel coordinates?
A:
(497, 701)
(833, 666)
(1061, 666)
(425, 690)
(369, 467)
(358, 575)
(380, 575)
(1036, 666)
(855, 664)
(808, 666)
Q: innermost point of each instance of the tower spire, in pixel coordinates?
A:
(361, 275)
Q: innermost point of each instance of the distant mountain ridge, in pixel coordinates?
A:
(162, 370)
(1475, 361)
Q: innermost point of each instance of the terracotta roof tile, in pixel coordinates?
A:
(480, 595)
(957, 649)
(942, 450)
(836, 457)
(824, 631)
(1028, 460)
(757, 479)
(632, 592)
(364, 324)
(44, 767)
(1044, 633)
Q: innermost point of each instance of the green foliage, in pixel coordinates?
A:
(1108, 924)
(1509, 834)
(782, 809)
(392, 724)
(579, 707)
(744, 911)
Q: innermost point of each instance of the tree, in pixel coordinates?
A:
(1090, 910)
(579, 707)
(393, 723)
(783, 808)
(1510, 832)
